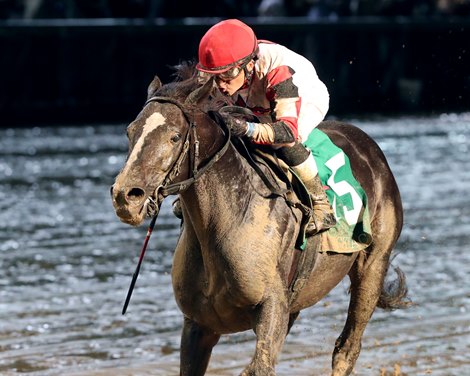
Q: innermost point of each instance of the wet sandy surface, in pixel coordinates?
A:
(67, 261)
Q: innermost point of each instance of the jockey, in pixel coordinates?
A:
(282, 89)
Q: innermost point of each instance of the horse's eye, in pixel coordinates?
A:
(176, 137)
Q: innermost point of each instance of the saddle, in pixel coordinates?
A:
(280, 180)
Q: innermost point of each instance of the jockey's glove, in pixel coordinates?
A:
(239, 127)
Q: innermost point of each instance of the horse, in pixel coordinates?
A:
(237, 243)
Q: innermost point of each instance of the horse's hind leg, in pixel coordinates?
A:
(367, 276)
(196, 348)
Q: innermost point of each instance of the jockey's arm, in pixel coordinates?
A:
(278, 134)
(283, 95)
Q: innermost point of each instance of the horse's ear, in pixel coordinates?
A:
(200, 93)
(153, 87)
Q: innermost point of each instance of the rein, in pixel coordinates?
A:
(169, 188)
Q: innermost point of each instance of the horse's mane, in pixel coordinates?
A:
(185, 82)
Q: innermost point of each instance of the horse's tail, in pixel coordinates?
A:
(394, 293)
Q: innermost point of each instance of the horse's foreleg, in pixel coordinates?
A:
(367, 276)
(271, 326)
(196, 348)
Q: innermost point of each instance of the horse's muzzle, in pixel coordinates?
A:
(130, 204)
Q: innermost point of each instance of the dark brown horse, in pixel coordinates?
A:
(236, 247)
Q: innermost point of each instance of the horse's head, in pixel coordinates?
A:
(159, 148)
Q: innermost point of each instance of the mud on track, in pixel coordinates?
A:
(66, 263)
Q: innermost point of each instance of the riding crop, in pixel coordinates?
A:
(137, 269)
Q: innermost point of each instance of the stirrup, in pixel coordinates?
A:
(315, 226)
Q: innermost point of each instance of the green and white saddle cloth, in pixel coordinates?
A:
(352, 232)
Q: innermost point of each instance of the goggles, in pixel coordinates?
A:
(231, 73)
(228, 75)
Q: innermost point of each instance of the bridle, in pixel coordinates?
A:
(191, 143)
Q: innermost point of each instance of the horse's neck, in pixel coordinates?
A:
(219, 197)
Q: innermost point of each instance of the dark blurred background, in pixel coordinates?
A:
(66, 61)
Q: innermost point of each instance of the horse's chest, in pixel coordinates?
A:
(218, 312)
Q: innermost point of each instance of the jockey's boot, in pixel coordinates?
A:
(176, 206)
(323, 216)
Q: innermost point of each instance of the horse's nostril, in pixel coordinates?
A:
(135, 194)
(111, 190)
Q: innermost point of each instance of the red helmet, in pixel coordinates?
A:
(225, 45)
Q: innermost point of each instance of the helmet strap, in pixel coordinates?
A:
(248, 75)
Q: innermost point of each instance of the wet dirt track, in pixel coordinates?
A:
(66, 264)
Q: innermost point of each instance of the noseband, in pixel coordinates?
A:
(168, 188)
